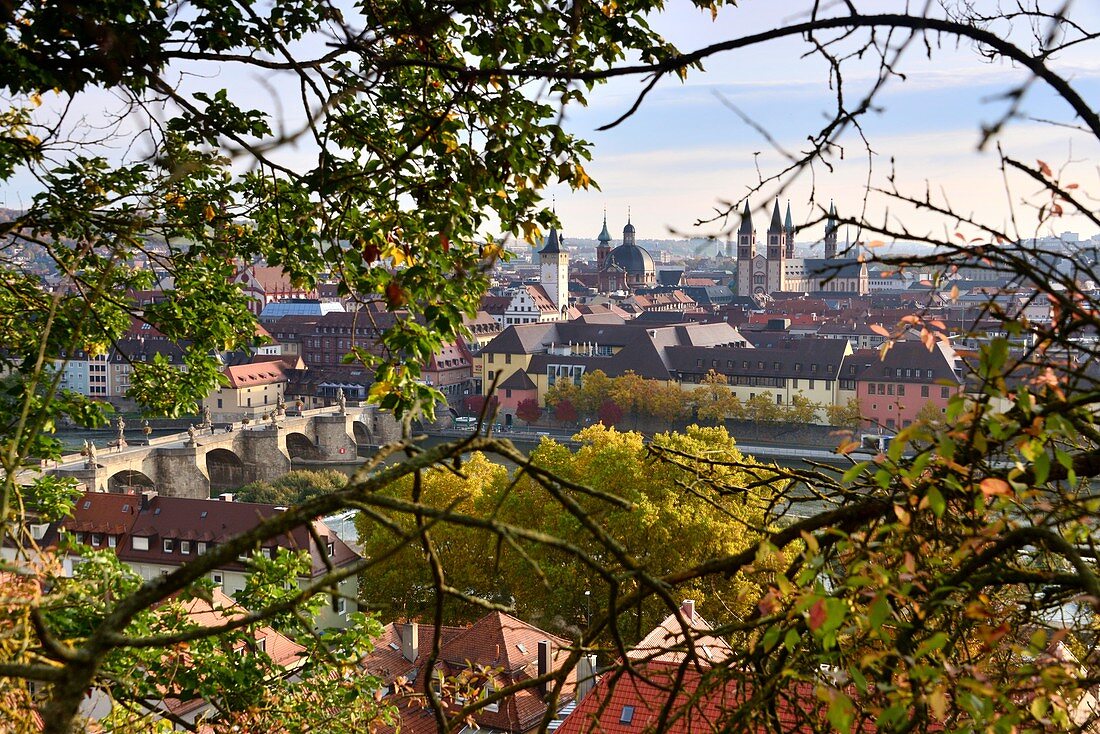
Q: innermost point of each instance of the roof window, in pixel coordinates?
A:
(627, 715)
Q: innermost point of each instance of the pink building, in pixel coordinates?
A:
(894, 390)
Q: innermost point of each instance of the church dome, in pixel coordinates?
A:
(633, 259)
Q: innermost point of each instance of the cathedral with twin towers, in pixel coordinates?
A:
(773, 268)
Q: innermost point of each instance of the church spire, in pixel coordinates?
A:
(777, 222)
(788, 229)
(777, 245)
(830, 233)
(605, 236)
(746, 220)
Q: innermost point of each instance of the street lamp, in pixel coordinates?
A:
(588, 607)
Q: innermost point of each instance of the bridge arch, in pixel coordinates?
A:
(299, 446)
(362, 433)
(129, 481)
(225, 469)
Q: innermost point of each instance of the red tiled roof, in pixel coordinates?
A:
(504, 646)
(629, 703)
(248, 375)
(667, 642)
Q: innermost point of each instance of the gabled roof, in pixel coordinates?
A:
(668, 643)
(518, 380)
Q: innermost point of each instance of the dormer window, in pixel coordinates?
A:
(486, 691)
(167, 545)
(331, 550)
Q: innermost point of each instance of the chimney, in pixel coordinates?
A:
(147, 497)
(545, 664)
(586, 676)
(226, 496)
(410, 641)
(687, 608)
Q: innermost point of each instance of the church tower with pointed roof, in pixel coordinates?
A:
(777, 251)
(788, 229)
(830, 233)
(604, 248)
(554, 271)
(746, 250)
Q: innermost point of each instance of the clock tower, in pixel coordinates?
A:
(554, 271)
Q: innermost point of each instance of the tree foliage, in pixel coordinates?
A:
(528, 410)
(293, 488)
(665, 512)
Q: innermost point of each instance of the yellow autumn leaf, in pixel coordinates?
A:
(380, 389)
(531, 232)
(208, 213)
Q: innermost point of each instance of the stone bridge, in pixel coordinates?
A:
(224, 460)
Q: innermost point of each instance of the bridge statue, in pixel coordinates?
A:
(90, 451)
(121, 433)
(342, 401)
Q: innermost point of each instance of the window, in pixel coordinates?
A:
(97, 539)
(924, 391)
(794, 383)
(437, 682)
(811, 384)
(339, 605)
(139, 543)
(219, 402)
(200, 547)
(486, 691)
(218, 578)
(507, 359)
(491, 374)
(331, 550)
(901, 390)
(185, 547)
(627, 715)
(890, 389)
(167, 545)
(778, 399)
(945, 392)
(112, 541)
(266, 552)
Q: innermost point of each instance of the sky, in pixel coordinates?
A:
(686, 152)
